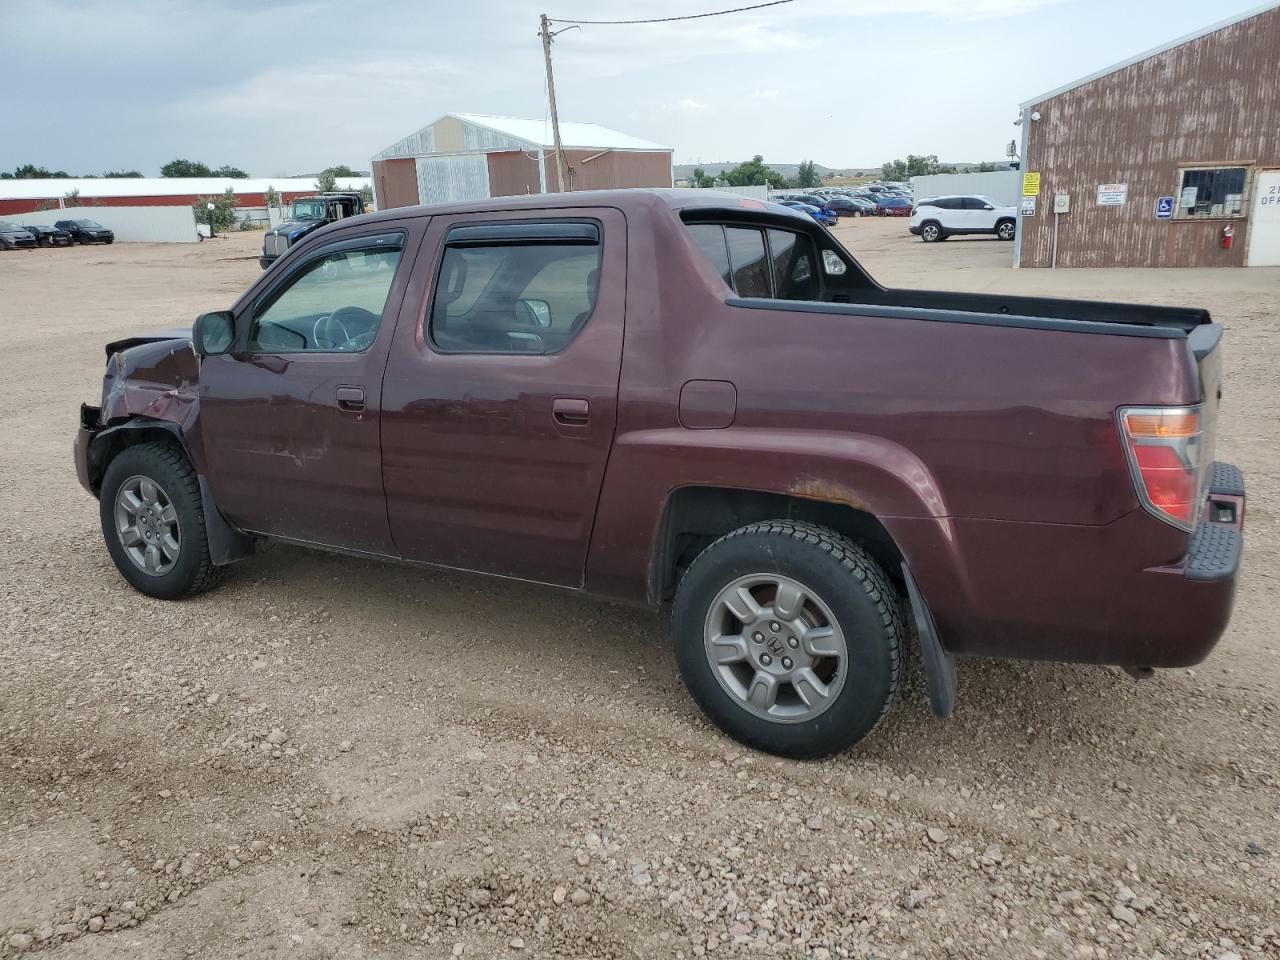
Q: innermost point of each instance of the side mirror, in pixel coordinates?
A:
(987, 206)
(213, 333)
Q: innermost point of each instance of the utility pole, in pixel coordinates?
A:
(551, 95)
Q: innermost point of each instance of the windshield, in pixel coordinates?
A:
(308, 209)
(9, 227)
(90, 224)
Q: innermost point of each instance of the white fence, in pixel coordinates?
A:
(130, 224)
(1003, 186)
(760, 193)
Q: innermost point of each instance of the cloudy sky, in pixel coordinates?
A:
(291, 86)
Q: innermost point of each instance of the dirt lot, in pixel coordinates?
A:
(333, 758)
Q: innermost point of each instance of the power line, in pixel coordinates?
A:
(693, 16)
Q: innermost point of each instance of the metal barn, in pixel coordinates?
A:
(1169, 159)
(468, 156)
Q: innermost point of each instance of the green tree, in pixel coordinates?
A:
(121, 174)
(366, 194)
(342, 170)
(327, 181)
(185, 168)
(29, 171)
(754, 173)
(270, 197)
(224, 210)
(807, 176)
(230, 172)
(986, 166)
(72, 199)
(916, 165)
(702, 179)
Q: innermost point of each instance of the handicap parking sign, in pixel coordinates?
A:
(1164, 208)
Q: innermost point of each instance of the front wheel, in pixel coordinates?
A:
(1006, 229)
(153, 522)
(789, 637)
(931, 233)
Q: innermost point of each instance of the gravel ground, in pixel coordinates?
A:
(333, 758)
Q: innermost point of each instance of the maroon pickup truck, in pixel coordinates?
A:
(688, 397)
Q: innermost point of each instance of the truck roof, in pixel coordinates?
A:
(677, 199)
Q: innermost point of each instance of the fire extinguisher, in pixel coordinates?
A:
(1228, 234)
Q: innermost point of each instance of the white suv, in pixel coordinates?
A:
(937, 218)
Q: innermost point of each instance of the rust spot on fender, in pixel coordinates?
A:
(820, 488)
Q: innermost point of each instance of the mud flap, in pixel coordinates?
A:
(939, 665)
(226, 543)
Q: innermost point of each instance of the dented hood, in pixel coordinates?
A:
(159, 336)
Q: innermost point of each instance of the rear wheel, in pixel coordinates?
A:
(1006, 229)
(930, 232)
(789, 636)
(153, 522)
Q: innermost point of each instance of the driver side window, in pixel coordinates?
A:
(333, 303)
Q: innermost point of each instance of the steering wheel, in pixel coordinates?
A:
(325, 331)
(347, 328)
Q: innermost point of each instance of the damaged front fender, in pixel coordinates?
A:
(152, 378)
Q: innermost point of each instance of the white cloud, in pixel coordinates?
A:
(687, 106)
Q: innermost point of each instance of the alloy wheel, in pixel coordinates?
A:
(776, 648)
(147, 525)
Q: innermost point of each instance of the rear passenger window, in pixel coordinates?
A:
(747, 260)
(520, 293)
(795, 276)
(709, 238)
(768, 263)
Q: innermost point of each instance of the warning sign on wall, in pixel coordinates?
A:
(1112, 194)
(1031, 184)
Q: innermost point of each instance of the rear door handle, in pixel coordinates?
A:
(571, 411)
(351, 399)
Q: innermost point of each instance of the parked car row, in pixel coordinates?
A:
(64, 233)
(875, 200)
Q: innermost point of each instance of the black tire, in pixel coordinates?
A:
(1006, 230)
(851, 585)
(193, 570)
(931, 231)
(857, 213)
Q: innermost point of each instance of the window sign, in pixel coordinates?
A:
(1211, 193)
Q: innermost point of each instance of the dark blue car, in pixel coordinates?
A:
(824, 215)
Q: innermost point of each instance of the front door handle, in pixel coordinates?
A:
(351, 399)
(571, 411)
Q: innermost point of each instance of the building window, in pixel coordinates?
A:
(1211, 193)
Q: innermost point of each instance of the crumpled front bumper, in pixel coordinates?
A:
(89, 425)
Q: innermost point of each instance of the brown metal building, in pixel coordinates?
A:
(1161, 155)
(468, 156)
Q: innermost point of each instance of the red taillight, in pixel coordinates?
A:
(1163, 447)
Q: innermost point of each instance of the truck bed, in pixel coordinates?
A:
(1185, 319)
